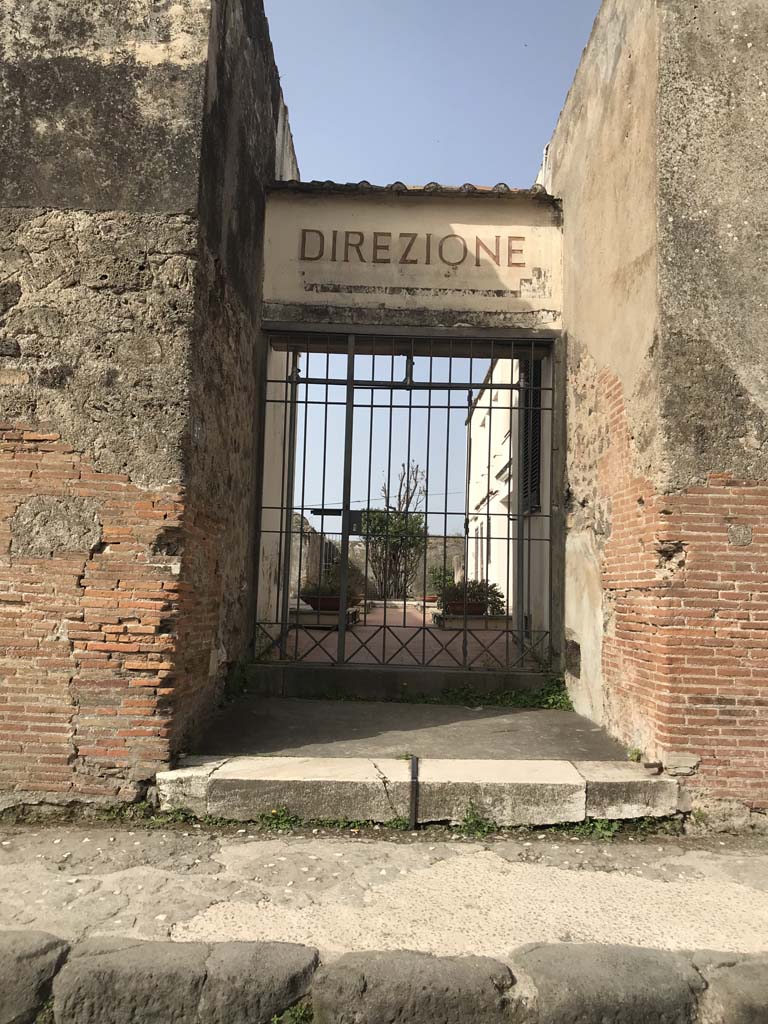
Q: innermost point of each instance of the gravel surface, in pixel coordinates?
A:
(345, 891)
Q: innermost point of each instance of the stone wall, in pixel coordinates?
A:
(128, 360)
(666, 550)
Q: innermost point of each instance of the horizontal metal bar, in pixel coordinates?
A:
(342, 331)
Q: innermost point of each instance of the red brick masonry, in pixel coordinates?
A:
(87, 639)
(685, 656)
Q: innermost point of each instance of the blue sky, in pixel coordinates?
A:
(423, 90)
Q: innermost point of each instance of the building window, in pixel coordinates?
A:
(530, 410)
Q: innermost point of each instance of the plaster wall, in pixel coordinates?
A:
(494, 484)
(601, 163)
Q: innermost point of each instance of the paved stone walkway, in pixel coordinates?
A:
(351, 892)
(335, 728)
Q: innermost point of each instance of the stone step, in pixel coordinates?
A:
(361, 789)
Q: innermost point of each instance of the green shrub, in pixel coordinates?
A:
(474, 592)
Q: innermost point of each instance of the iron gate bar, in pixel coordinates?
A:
(290, 474)
(467, 485)
(301, 515)
(386, 515)
(348, 435)
(425, 556)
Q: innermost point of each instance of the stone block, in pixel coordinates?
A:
(618, 789)
(737, 992)
(119, 981)
(312, 788)
(252, 982)
(378, 988)
(580, 984)
(186, 788)
(507, 792)
(28, 963)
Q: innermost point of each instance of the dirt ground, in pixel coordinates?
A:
(347, 890)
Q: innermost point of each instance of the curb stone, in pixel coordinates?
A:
(578, 984)
(737, 989)
(29, 961)
(132, 982)
(123, 981)
(377, 988)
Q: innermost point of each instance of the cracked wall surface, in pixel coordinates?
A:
(658, 160)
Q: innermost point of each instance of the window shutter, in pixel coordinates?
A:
(530, 408)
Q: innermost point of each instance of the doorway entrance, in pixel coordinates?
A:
(406, 518)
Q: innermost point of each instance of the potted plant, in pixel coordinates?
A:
(476, 597)
(324, 594)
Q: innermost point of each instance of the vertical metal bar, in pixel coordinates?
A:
(348, 436)
(260, 425)
(464, 639)
(281, 514)
(509, 515)
(386, 506)
(449, 396)
(489, 517)
(368, 495)
(303, 507)
(289, 496)
(426, 515)
(529, 412)
(553, 448)
(520, 539)
(407, 554)
(413, 818)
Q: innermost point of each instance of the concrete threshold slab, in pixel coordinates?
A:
(515, 792)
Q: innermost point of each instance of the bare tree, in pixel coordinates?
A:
(396, 537)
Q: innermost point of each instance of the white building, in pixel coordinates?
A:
(509, 467)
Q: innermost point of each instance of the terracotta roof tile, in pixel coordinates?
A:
(431, 188)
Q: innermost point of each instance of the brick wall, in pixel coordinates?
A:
(87, 632)
(685, 652)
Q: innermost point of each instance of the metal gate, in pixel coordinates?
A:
(406, 513)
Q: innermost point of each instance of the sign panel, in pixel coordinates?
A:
(401, 252)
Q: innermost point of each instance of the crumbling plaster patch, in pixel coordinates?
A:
(44, 526)
(147, 33)
(97, 340)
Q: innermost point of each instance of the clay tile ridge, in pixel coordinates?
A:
(432, 188)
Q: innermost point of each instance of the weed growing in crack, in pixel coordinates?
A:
(301, 1013)
(279, 819)
(45, 1013)
(475, 826)
(398, 824)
